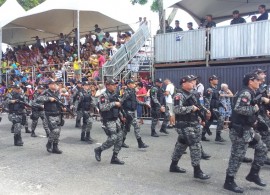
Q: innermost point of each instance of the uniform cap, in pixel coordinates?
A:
(111, 82)
(235, 12)
(129, 81)
(79, 82)
(213, 77)
(248, 77)
(15, 86)
(41, 87)
(187, 78)
(85, 83)
(159, 80)
(51, 81)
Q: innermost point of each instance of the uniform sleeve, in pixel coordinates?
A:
(42, 99)
(153, 95)
(178, 107)
(104, 103)
(124, 96)
(208, 97)
(8, 98)
(243, 106)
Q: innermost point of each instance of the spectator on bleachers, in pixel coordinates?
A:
(190, 26)
(177, 26)
(254, 18)
(168, 28)
(77, 67)
(108, 37)
(101, 59)
(59, 74)
(236, 18)
(61, 41)
(263, 12)
(98, 46)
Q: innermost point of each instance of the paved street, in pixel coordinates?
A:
(32, 170)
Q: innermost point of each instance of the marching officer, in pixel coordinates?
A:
(15, 104)
(53, 113)
(158, 108)
(242, 135)
(129, 102)
(109, 107)
(188, 128)
(212, 103)
(76, 93)
(85, 105)
(38, 112)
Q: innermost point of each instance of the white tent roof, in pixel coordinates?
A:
(9, 11)
(55, 16)
(220, 9)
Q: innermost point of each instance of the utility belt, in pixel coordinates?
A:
(109, 120)
(184, 124)
(17, 113)
(52, 113)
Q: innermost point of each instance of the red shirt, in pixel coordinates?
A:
(101, 61)
(140, 92)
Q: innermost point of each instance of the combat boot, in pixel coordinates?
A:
(88, 138)
(247, 160)
(98, 153)
(82, 136)
(56, 149)
(164, 131)
(49, 146)
(154, 134)
(205, 139)
(33, 134)
(219, 138)
(27, 130)
(267, 161)
(253, 176)
(141, 144)
(205, 156)
(18, 140)
(115, 160)
(199, 174)
(231, 185)
(123, 144)
(176, 169)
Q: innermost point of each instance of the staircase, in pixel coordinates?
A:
(121, 58)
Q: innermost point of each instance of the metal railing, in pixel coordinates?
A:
(122, 57)
(242, 40)
(180, 46)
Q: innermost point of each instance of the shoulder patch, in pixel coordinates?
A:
(102, 99)
(244, 99)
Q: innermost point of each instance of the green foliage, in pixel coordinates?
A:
(26, 4)
(154, 6)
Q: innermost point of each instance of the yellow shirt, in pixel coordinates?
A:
(76, 65)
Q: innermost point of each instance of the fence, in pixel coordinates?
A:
(180, 46)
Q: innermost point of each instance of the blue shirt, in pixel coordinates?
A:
(264, 16)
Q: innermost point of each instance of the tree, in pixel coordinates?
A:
(26, 4)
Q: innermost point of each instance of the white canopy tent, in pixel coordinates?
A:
(220, 9)
(55, 16)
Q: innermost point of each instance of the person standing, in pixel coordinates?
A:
(212, 103)
(242, 135)
(158, 108)
(130, 102)
(236, 18)
(177, 26)
(109, 107)
(169, 92)
(77, 91)
(187, 127)
(38, 112)
(53, 112)
(141, 95)
(15, 102)
(263, 12)
(85, 105)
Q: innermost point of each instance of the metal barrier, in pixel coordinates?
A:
(180, 46)
(241, 40)
(121, 58)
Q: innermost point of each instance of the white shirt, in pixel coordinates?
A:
(200, 89)
(170, 89)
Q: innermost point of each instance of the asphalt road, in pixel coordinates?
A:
(32, 170)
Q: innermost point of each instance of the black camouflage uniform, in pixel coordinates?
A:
(85, 103)
(53, 113)
(129, 102)
(16, 113)
(76, 92)
(110, 114)
(212, 103)
(157, 101)
(38, 112)
(242, 135)
(188, 129)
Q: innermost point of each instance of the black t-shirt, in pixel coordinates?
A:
(210, 24)
(176, 29)
(264, 16)
(238, 21)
